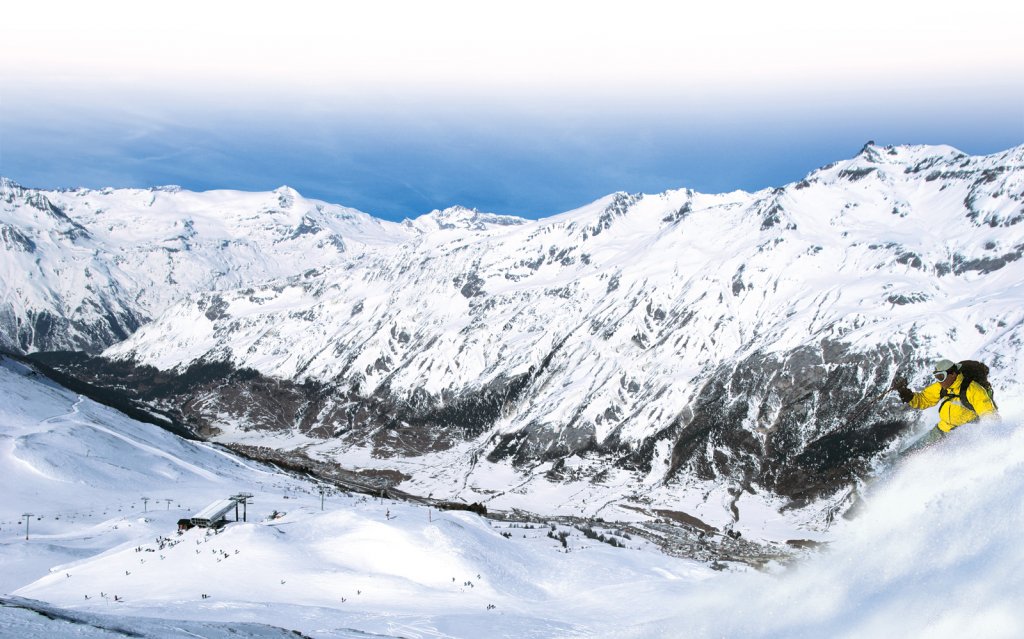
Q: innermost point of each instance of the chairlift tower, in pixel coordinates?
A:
(27, 516)
(241, 498)
(145, 504)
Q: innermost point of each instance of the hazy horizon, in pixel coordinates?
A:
(524, 109)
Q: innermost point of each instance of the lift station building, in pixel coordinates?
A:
(213, 514)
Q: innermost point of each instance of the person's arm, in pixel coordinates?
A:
(928, 397)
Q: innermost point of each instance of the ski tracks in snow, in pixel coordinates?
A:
(73, 417)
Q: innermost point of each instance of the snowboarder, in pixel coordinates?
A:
(964, 400)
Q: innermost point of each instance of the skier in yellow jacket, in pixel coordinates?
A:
(959, 405)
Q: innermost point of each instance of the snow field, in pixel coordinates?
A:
(363, 567)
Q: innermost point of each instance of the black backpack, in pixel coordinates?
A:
(976, 372)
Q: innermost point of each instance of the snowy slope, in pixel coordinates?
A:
(76, 464)
(932, 553)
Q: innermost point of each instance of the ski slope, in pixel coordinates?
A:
(933, 552)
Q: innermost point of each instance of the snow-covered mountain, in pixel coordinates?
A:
(83, 269)
(459, 217)
(725, 347)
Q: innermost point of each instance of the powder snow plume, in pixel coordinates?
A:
(934, 552)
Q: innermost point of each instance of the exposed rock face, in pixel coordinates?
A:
(799, 425)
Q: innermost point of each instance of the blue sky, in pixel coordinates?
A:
(515, 108)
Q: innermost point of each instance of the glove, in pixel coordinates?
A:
(900, 386)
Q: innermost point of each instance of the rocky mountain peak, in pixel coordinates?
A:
(460, 217)
(9, 187)
(286, 196)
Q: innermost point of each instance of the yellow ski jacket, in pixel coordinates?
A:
(952, 413)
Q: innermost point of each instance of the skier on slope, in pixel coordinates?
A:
(964, 400)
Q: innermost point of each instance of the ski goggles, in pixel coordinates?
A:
(941, 375)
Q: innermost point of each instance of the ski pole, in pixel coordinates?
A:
(871, 404)
(884, 393)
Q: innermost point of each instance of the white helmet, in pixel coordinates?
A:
(943, 365)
